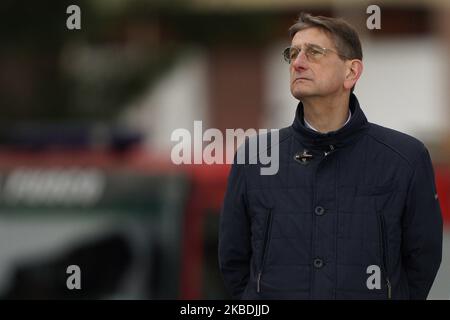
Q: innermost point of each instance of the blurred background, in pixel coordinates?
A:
(86, 119)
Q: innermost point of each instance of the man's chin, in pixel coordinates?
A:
(301, 94)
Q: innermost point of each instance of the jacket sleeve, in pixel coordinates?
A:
(234, 234)
(422, 229)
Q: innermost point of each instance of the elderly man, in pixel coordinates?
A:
(353, 211)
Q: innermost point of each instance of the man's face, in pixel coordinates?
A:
(316, 78)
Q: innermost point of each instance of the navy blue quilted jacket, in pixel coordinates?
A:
(341, 204)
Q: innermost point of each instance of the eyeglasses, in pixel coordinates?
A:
(313, 53)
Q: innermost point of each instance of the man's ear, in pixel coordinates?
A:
(353, 72)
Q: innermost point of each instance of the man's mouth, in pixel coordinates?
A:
(301, 78)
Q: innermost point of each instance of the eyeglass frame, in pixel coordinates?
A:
(310, 45)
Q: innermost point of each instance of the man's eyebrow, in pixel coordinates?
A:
(310, 44)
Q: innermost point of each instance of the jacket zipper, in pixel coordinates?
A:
(265, 249)
(384, 250)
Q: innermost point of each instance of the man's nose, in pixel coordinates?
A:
(300, 62)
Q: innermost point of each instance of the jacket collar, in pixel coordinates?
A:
(339, 138)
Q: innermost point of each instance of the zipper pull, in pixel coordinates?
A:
(258, 288)
(388, 283)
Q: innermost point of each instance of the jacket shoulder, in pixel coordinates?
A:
(255, 145)
(406, 146)
(280, 136)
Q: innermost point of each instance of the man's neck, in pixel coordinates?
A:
(326, 114)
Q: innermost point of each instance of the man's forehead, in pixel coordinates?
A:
(312, 35)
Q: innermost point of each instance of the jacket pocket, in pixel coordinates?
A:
(380, 196)
(384, 253)
(265, 248)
